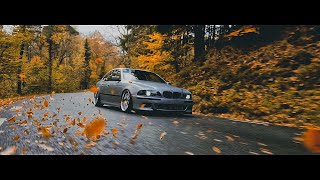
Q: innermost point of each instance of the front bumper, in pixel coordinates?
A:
(162, 104)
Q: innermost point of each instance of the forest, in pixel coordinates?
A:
(257, 72)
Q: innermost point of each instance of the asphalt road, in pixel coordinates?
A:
(184, 135)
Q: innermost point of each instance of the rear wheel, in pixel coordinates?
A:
(97, 101)
(126, 101)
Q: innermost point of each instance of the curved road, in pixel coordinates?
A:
(198, 135)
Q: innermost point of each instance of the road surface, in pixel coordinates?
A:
(181, 135)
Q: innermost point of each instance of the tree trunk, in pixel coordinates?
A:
(50, 66)
(19, 83)
(199, 45)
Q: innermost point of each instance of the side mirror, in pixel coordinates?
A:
(115, 78)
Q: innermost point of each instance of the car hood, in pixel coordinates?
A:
(149, 85)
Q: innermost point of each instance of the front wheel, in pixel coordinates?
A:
(126, 101)
(97, 101)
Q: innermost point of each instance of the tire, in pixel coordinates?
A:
(126, 103)
(97, 101)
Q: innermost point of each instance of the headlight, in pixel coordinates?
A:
(188, 96)
(149, 93)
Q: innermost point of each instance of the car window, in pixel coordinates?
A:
(108, 76)
(115, 72)
(142, 75)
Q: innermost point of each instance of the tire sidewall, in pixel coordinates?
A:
(130, 102)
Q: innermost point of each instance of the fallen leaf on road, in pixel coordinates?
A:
(229, 138)
(13, 127)
(46, 147)
(189, 153)
(90, 145)
(81, 125)
(114, 132)
(80, 113)
(45, 132)
(105, 133)
(65, 130)
(78, 120)
(46, 114)
(37, 123)
(46, 103)
(16, 138)
(312, 140)
(32, 97)
(36, 106)
(261, 144)
(61, 143)
(139, 126)
(73, 142)
(72, 123)
(26, 131)
(24, 151)
(67, 118)
(162, 135)
(77, 133)
(13, 119)
(90, 100)
(17, 110)
(175, 122)
(9, 151)
(43, 119)
(94, 128)
(54, 115)
(84, 119)
(24, 122)
(216, 150)
(266, 151)
(82, 153)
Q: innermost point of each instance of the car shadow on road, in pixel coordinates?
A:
(152, 114)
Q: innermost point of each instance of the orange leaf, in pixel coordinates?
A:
(36, 105)
(105, 133)
(53, 92)
(45, 132)
(32, 97)
(24, 122)
(216, 150)
(98, 61)
(94, 89)
(77, 133)
(26, 131)
(46, 103)
(30, 116)
(72, 123)
(9, 151)
(94, 127)
(16, 138)
(37, 123)
(162, 135)
(90, 145)
(46, 114)
(24, 151)
(22, 76)
(114, 132)
(84, 119)
(81, 125)
(139, 126)
(80, 113)
(17, 110)
(90, 100)
(312, 140)
(67, 118)
(13, 119)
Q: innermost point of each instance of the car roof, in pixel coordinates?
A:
(131, 69)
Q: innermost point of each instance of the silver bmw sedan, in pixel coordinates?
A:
(133, 89)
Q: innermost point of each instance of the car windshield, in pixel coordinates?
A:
(141, 75)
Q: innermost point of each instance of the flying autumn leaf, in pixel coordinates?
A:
(311, 139)
(37, 123)
(162, 135)
(16, 138)
(46, 103)
(24, 151)
(94, 128)
(45, 132)
(24, 122)
(98, 61)
(72, 123)
(81, 125)
(9, 151)
(84, 119)
(77, 133)
(114, 132)
(67, 118)
(46, 114)
(80, 113)
(36, 106)
(53, 92)
(13, 119)
(216, 150)
(90, 145)
(90, 100)
(94, 89)
(266, 151)
(26, 131)
(32, 97)
(65, 130)
(17, 110)
(139, 126)
(105, 133)
(229, 138)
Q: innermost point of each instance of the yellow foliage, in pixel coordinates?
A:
(242, 31)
